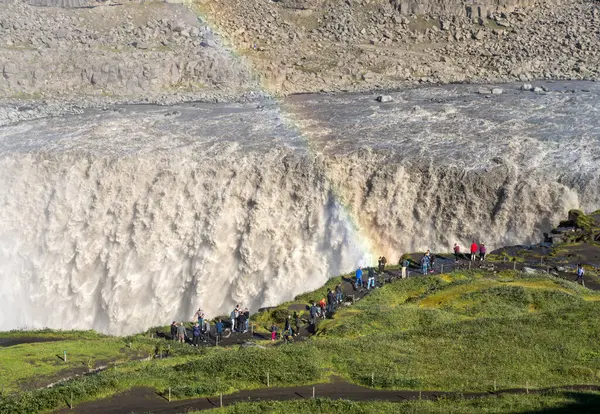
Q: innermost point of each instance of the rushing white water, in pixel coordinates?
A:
(122, 219)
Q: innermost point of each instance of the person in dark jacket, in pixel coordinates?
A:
(247, 315)
(331, 302)
(371, 278)
(241, 322)
(339, 294)
(314, 311)
(482, 252)
(196, 334)
(174, 331)
(288, 323)
(297, 322)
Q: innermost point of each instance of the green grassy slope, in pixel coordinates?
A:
(457, 332)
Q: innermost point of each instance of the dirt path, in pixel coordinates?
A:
(145, 400)
(444, 263)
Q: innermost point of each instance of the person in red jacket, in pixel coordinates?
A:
(474, 249)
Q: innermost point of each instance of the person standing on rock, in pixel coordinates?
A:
(405, 263)
(359, 274)
(474, 249)
(198, 315)
(288, 323)
(482, 252)
(371, 278)
(456, 252)
(580, 273)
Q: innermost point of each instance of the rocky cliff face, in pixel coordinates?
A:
(474, 9)
(127, 51)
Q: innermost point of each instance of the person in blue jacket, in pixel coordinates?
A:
(359, 278)
(219, 327)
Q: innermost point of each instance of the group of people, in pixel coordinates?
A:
(200, 330)
(240, 319)
(370, 276)
(475, 249)
(288, 331)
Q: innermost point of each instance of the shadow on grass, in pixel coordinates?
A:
(584, 402)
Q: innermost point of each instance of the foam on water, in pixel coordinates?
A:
(131, 217)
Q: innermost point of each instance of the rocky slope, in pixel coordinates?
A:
(124, 51)
(162, 52)
(336, 45)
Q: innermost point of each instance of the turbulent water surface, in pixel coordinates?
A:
(130, 217)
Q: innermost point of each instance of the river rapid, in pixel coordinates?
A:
(123, 218)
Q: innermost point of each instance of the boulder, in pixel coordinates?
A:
(497, 91)
(527, 87)
(384, 98)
